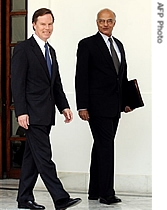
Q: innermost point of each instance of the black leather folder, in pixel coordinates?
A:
(134, 98)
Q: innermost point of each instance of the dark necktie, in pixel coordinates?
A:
(48, 61)
(114, 56)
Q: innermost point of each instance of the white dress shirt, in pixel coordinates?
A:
(114, 44)
(41, 44)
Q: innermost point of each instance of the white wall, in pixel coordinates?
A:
(75, 19)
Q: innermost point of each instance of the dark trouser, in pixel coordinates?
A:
(102, 159)
(37, 160)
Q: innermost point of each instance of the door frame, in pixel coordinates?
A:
(1, 161)
(11, 172)
(6, 106)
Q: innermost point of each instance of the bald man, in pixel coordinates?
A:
(101, 82)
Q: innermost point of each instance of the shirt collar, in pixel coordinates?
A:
(40, 42)
(105, 37)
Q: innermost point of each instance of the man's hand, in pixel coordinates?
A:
(84, 115)
(68, 115)
(23, 121)
(128, 109)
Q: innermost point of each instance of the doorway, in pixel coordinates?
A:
(13, 17)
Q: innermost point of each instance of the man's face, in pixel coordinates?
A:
(106, 22)
(44, 27)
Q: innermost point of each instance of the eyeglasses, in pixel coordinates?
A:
(108, 21)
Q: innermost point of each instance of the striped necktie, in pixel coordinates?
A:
(48, 60)
(114, 56)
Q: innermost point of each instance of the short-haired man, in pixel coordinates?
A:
(37, 88)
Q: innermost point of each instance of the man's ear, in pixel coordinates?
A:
(34, 26)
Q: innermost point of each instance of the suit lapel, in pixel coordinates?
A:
(104, 50)
(122, 54)
(54, 66)
(37, 51)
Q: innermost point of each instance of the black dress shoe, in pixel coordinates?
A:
(110, 200)
(30, 205)
(67, 203)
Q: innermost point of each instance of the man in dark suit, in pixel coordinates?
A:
(37, 88)
(101, 81)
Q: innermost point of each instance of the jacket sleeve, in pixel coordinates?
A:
(60, 97)
(82, 76)
(61, 101)
(124, 83)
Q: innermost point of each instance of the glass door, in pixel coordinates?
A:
(16, 31)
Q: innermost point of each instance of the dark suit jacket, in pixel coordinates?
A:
(34, 93)
(99, 88)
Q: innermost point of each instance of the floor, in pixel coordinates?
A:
(8, 194)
